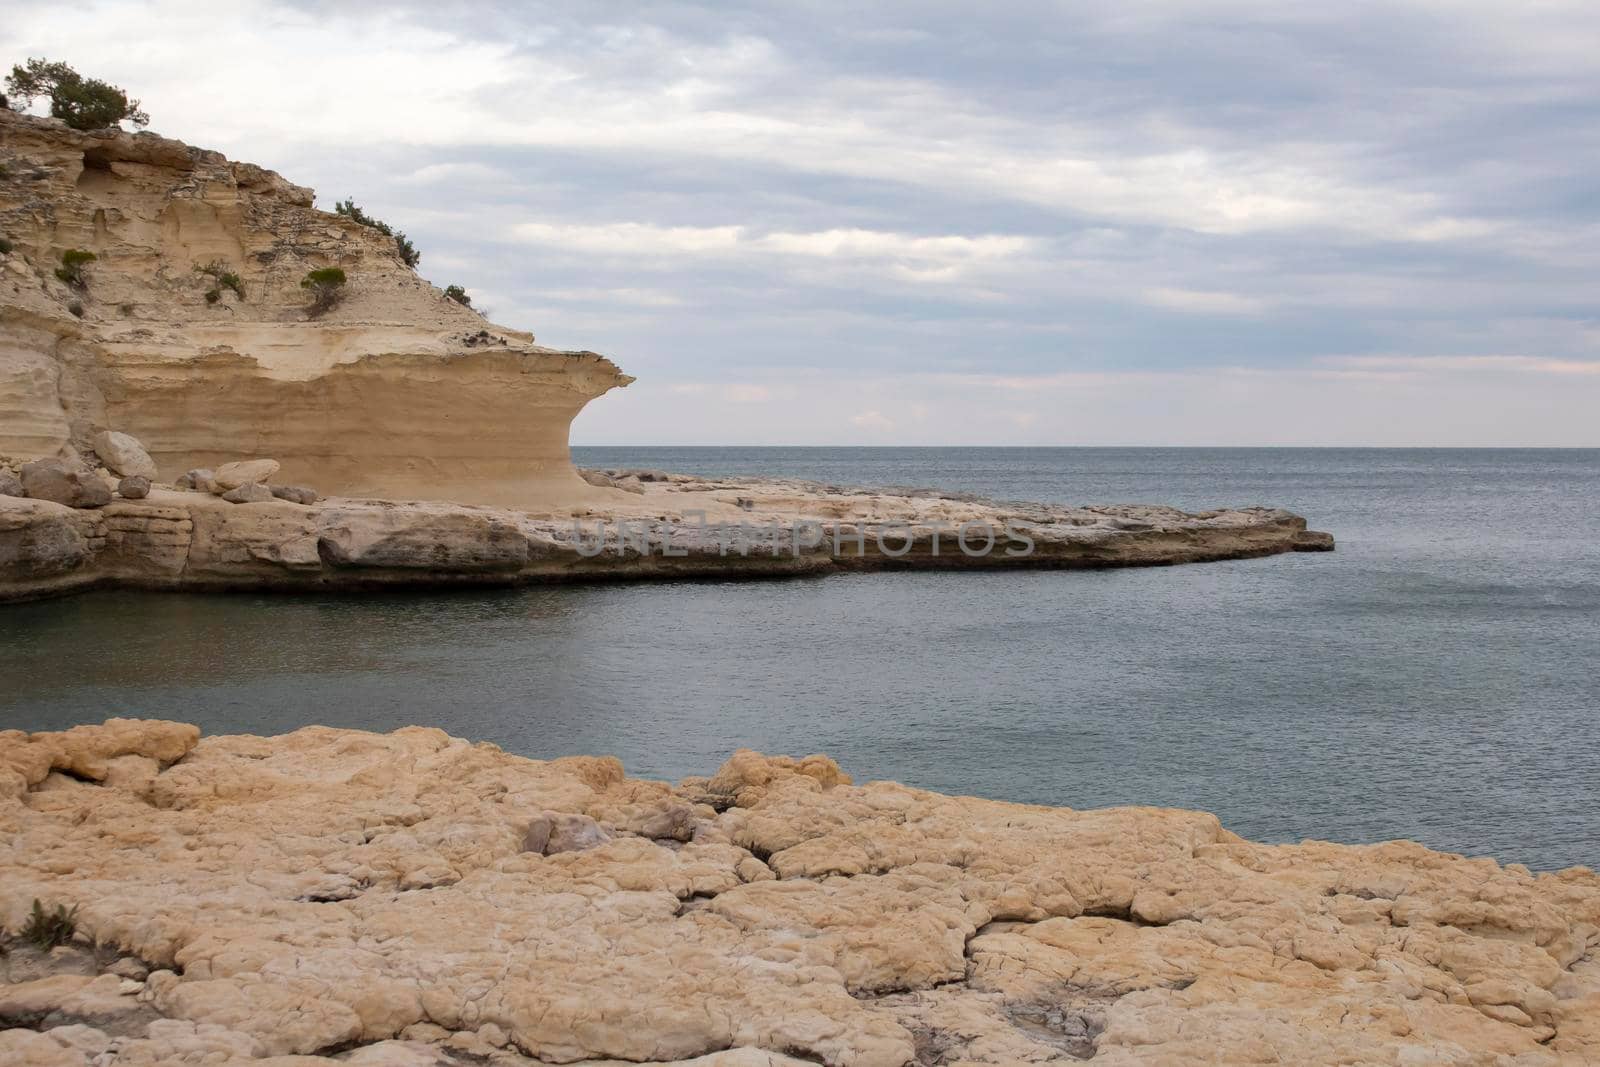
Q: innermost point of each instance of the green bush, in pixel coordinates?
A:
(225, 278)
(73, 261)
(458, 294)
(5, 246)
(82, 103)
(408, 252)
(47, 929)
(326, 285)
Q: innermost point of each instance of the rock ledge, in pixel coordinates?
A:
(414, 899)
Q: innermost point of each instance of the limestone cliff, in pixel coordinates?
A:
(396, 391)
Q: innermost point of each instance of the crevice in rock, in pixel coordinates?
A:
(694, 902)
(1074, 1026)
(68, 772)
(1122, 913)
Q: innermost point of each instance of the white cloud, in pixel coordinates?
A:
(1454, 364)
(640, 297)
(630, 238)
(728, 201)
(872, 420)
(1205, 301)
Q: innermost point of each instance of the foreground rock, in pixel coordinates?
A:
(670, 526)
(415, 899)
(62, 482)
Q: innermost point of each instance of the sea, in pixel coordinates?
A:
(1437, 678)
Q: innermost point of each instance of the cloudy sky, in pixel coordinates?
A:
(807, 222)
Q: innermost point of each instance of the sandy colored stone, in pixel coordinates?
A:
(249, 493)
(244, 472)
(396, 392)
(62, 482)
(328, 888)
(123, 455)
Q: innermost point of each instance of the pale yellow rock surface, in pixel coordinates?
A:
(397, 391)
(336, 896)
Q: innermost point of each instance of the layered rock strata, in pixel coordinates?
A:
(334, 896)
(674, 527)
(394, 391)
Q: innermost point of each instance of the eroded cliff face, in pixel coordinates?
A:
(396, 391)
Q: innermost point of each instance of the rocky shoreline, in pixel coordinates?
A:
(247, 535)
(412, 899)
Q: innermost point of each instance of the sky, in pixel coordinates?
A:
(805, 222)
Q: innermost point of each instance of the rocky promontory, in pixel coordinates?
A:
(227, 529)
(208, 383)
(413, 899)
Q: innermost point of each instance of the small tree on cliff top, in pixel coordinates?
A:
(402, 244)
(82, 103)
(326, 286)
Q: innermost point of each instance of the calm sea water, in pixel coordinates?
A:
(1434, 679)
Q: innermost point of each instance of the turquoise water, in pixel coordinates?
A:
(1433, 679)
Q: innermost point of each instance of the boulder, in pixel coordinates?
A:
(201, 480)
(556, 831)
(243, 472)
(59, 481)
(134, 487)
(249, 493)
(38, 539)
(10, 484)
(430, 540)
(123, 454)
(294, 494)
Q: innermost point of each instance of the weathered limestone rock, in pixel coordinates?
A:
(398, 392)
(200, 480)
(10, 484)
(294, 494)
(58, 481)
(1313, 541)
(249, 493)
(244, 472)
(302, 894)
(554, 832)
(123, 454)
(134, 487)
(41, 543)
(197, 540)
(459, 541)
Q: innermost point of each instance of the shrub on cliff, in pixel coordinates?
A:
(225, 278)
(326, 286)
(72, 264)
(5, 246)
(82, 103)
(408, 252)
(458, 294)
